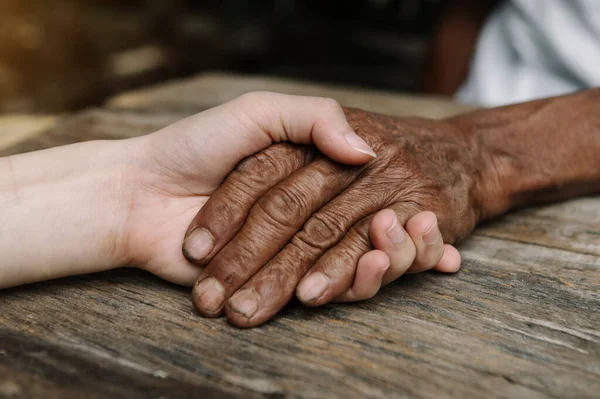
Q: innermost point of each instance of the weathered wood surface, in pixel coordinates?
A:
(521, 319)
(216, 88)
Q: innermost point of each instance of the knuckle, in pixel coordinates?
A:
(330, 103)
(431, 256)
(277, 279)
(284, 206)
(256, 170)
(322, 231)
(410, 253)
(252, 97)
(262, 161)
(389, 154)
(399, 266)
(240, 193)
(438, 253)
(402, 258)
(272, 164)
(231, 278)
(356, 243)
(224, 213)
(233, 266)
(284, 158)
(359, 234)
(229, 209)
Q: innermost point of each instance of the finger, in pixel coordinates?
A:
(387, 234)
(306, 120)
(226, 210)
(272, 222)
(260, 119)
(269, 290)
(276, 282)
(175, 269)
(334, 272)
(384, 230)
(450, 262)
(216, 140)
(337, 267)
(425, 233)
(370, 270)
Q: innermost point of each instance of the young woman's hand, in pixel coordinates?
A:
(98, 205)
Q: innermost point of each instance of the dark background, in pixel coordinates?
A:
(65, 54)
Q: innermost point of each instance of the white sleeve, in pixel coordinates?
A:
(535, 48)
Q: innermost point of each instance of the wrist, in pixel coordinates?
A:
(504, 176)
(62, 212)
(535, 152)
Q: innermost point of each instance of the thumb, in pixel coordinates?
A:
(216, 140)
(305, 120)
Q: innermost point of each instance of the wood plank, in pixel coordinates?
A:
(522, 318)
(572, 225)
(33, 367)
(94, 124)
(210, 89)
(506, 326)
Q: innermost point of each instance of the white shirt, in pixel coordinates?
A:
(535, 48)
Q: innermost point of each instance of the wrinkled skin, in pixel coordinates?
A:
(288, 210)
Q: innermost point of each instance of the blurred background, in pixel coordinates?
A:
(61, 55)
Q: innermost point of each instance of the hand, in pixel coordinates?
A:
(186, 162)
(263, 237)
(98, 205)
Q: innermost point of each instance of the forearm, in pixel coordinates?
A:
(536, 152)
(58, 212)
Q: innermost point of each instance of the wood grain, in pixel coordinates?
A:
(521, 319)
(208, 90)
(572, 226)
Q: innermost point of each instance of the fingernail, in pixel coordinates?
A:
(209, 296)
(432, 236)
(198, 244)
(395, 233)
(313, 287)
(245, 302)
(359, 144)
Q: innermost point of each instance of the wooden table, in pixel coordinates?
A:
(521, 319)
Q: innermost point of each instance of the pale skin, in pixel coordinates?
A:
(100, 205)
